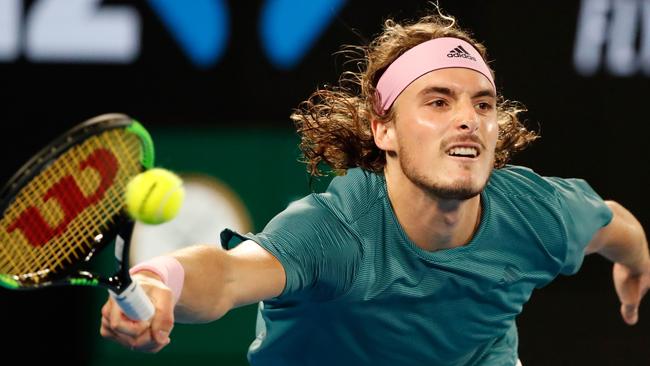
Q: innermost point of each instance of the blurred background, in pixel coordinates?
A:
(215, 81)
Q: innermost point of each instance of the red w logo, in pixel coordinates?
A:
(70, 198)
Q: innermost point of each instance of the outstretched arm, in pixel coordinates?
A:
(215, 282)
(623, 241)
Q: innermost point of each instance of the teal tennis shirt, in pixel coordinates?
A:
(359, 292)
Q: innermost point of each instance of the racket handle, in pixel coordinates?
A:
(134, 302)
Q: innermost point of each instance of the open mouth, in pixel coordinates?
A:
(463, 152)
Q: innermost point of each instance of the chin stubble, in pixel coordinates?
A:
(455, 191)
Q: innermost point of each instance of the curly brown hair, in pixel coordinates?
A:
(334, 122)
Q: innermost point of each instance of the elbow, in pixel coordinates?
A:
(614, 206)
(625, 219)
(203, 314)
(620, 226)
(623, 234)
(219, 309)
(215, 307)
(206, 292)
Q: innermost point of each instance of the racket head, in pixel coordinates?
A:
(66, 203)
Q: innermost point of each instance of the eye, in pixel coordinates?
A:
(485, 106)
(439, 103)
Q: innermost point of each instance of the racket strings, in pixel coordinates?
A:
(76, 198)
(111, 204)
(48, 255)
(55, 251)
(78, 227)
(109, 208)
(50, 214)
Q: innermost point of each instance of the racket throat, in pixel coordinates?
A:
(122, 246)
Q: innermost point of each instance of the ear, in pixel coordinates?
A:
(384, 134)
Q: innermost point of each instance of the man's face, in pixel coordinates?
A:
(445, 132)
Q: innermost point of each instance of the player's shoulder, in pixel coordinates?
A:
(519, 181)
(524, 202)
(306, 209)
(353, 195)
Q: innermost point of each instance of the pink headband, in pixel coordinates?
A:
(436, 54)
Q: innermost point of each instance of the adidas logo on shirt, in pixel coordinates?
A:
(460, 52)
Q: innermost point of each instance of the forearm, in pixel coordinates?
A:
(205, 295)
(217, 280)
(626, 244)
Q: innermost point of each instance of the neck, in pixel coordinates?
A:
(432, 223)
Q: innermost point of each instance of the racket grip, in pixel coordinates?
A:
(134, 302)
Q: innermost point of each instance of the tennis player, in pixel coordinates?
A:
(424, 249)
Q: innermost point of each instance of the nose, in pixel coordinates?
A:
(467, 119)
(469, 126)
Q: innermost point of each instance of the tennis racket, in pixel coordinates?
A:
(67, 203)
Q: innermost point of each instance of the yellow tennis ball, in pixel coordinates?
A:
(154, 196)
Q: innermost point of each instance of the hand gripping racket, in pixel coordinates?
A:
(67, 203)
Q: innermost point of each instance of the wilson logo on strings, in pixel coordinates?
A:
(70, 198)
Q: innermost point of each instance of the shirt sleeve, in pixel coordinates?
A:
(318, 252)
(584, 212)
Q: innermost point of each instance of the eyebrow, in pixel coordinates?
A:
(451, 93)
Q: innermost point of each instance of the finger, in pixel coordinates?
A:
(107, 333)
(163, 320)
(128, 327)
(106, 309)
(630, 313)
(146, 343)
(120, 323)
(645, 287)
(157, 348)
(105, 326)
(104, 330)
(131, 327)
(143, 342)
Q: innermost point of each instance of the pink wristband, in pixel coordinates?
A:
(168, 268)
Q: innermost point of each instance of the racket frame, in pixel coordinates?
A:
(121, 230)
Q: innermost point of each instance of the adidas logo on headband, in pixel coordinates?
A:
(459, 51)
